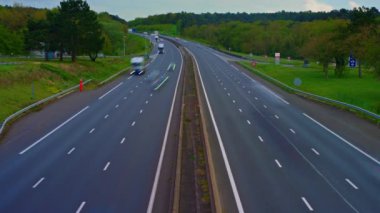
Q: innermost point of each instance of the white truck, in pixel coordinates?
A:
(160, 48)
(137, 65)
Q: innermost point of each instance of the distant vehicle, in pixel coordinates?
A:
(156, 37)
(156, 33)
(145, 33)
(137, 65)
(160, 48)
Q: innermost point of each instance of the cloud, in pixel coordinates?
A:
(353, 4)
(316, 6)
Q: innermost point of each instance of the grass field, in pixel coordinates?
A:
(362, 92)
(50, 77)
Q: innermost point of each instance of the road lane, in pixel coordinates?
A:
(289, 136)
(113, 165)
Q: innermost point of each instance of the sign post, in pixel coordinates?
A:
(277, 58)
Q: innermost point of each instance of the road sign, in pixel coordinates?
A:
(352, 61)
(277, 57)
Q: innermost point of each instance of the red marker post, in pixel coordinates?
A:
(81, 85)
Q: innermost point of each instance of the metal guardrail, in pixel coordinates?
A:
(320, 98)
(14, 115)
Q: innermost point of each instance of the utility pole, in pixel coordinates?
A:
(124, 45)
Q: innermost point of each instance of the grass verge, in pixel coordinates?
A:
(350, 89)
(24, 81)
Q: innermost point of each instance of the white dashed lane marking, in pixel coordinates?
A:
(278, 163)
(80, 207)
(351, 184)
(261, 139)
(294, 132)
(307, 204)
(71, 151)
(122, 141)
(106, 166)
(315, 151)
(92, 130)
(38, 182)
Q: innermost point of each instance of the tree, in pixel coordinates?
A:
(320, 48)
(92, 36)
(37, 36)
(362, 28)
(79, 28)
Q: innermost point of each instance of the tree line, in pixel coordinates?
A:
(184, 19)
(72, 27)
(327, 41)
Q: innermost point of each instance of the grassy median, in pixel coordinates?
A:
(362, 92)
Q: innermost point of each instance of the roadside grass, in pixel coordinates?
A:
(49, 77)
(362, 92)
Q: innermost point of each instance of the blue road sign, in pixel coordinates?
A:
(352, 61)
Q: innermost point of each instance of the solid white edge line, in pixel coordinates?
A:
(352, 184)
(38, 182)
(101, 97)
(274, 94)
(52, 131)
(220, 141)
(234, 67)
(344, 140)
(307, 204)
(159, 165)
(80, 207)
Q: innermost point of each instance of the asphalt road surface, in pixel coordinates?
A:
(278, 158)
(103, 158)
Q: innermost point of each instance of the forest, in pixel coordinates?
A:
(327, 37)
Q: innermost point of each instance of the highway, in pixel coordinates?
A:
(277, 157)
(107, 157)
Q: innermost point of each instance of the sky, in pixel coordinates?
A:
(131, 9)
